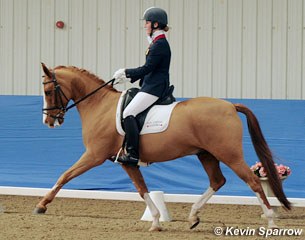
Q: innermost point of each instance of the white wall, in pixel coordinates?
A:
(220, 48)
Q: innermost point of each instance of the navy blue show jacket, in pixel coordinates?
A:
(154, 74)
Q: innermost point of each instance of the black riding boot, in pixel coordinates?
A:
(132, 142)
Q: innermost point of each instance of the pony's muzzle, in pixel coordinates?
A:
(53, 120)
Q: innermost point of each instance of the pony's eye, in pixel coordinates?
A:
(47, 93)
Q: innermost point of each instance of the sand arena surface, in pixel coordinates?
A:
(103, 219)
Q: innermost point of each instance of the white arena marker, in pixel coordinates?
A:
(158, 199)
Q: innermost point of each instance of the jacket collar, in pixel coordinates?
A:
(156, 35)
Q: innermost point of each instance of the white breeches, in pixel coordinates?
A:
(139, 103)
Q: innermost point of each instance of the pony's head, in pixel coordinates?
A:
(55, 101)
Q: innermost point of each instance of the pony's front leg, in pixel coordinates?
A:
(137, 178)
(85, 163)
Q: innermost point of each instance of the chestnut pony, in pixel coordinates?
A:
(207, 127)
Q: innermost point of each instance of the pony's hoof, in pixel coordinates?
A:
(155, 229)
(39, 210)
(194, 222)
(273, 226)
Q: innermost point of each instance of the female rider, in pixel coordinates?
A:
(153, 76)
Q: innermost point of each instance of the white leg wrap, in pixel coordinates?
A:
(201, 201)
(269, 213)
(153, 209)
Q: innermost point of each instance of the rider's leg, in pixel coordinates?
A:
(132, 142)
(139, 103)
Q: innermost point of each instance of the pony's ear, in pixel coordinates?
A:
(46, 70)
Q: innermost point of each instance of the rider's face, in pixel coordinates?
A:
(147, 26)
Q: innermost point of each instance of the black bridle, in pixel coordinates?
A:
(59, 95)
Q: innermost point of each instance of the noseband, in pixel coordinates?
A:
(59, 95)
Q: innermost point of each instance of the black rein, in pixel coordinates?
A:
(59, 93)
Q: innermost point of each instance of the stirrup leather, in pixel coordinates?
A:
(126, 159)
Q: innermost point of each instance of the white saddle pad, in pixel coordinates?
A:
(156, 121)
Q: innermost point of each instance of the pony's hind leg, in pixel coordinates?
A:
(217, 180)
(138, 181)
(245, 173)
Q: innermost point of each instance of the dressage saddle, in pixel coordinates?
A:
(131, 93)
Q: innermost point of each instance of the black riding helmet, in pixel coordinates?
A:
(154, 14)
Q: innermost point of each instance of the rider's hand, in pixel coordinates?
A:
(120, 76)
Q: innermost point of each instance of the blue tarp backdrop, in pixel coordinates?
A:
(32, 155)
